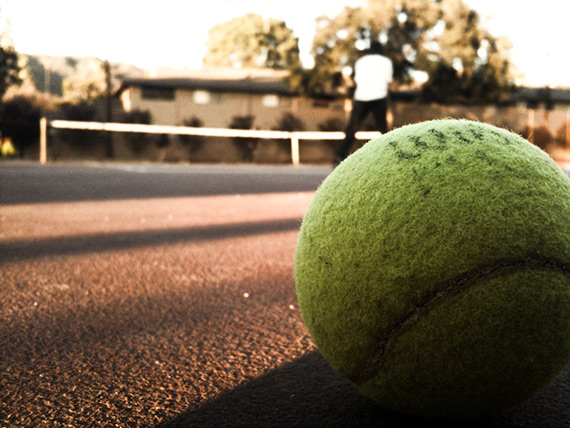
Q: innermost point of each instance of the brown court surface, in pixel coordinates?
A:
(144, 296)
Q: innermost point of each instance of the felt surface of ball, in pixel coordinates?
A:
(433, 269)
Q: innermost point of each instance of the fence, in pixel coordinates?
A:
(293, 136)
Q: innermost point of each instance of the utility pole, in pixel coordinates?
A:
(47, 79)
(108, 92)
(108, 106)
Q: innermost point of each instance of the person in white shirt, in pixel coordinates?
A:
(372, 74)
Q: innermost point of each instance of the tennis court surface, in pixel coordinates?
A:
(163, 296)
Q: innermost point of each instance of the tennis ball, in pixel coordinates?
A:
(432, 269)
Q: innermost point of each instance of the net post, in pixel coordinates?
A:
(530, 124)
(295, 148)
(43, 141)
(568, 128)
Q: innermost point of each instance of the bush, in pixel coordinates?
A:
(137, 140)
(289, 122)
(561, 134)
(20, 121)
(138, 116)
(540, 136)
(83, 111)
(193, 142)
(332, 125)
(247, 145)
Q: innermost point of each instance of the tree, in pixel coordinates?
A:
(467, 62)
(339, 41)
(443, 38)
(9, 69)
(252, 41)
(88, 83)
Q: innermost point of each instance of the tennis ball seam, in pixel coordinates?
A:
(444, 291)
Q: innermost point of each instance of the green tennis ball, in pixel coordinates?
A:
(433, 269)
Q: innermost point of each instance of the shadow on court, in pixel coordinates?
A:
(87, 244)
(31, 183)
(307, 393)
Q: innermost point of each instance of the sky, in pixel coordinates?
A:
(173, 33)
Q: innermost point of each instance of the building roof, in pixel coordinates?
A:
(218, 80)
(268, 81)
(544, 94)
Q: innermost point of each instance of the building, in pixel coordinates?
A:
(216, 96)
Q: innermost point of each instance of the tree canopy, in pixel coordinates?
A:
(252, 41)
(9, 69)
(443, 38)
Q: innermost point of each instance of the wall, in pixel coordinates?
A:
(550, 130)
(266, 109)
(544, 126)
(223, 107)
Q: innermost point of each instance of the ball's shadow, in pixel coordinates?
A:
(307, 393)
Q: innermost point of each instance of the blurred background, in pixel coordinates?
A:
(272, 65)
